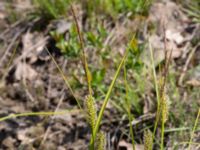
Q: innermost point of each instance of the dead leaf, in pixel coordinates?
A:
(28, 135)
(25, 71)
(33, 45)
(172, 35)
(62, 26)
(123, 144)
(9, 142)
(193, 82)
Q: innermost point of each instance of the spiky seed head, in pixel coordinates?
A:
(100, 141)
(164, 107)
(91, 112)
(148, 140)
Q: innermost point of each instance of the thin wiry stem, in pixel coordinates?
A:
(157, 91)
(128, 108)
(34, 114)
(162, 133)
(84, 59)
(194, 128)
(64, 78)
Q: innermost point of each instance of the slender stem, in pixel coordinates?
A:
(34, 114)
(194, 128)
(162, 133)
(128, 108)
(157, 91)
(64, 78)
(84, 63)
(84, 60)
(131, 131)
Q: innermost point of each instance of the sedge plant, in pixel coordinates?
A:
(162, 98)
(100, 115)
(133, 45)
(91, 111)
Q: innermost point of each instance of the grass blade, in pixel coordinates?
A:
(194, 128)
(64, 78)
(35, 114)
(107, 98)
(128, 108)
(157, 91)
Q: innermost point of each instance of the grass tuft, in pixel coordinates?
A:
(52, 9)
(96, 129)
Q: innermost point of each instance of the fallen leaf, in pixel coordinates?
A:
(62, 26)
(9, 143)
(193, 82)
(128, 146)
(33, 46)
(174, 36)
(25, 71)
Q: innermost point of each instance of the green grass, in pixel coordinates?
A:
(52, 9)
(70, 47)
(115, 7)
(192, 9)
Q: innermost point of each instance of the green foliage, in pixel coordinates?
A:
(97, 81)
(52, 9)
(134, 61)
(114, 7)
(135, 66)
(134, 6)
(96, 40)
(192, 9)
(69, 44)
(70, 47)
(13, 14)
(134, 100)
